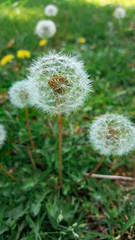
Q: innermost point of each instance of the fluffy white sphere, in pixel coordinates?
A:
(112, 134)
(2, 135)
(23, 93)
(51, 10)
(62, 82)
(119, 12)
(45, 28)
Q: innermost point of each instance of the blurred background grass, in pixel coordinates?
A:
(102, 209)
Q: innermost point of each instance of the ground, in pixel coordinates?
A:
(32, 207)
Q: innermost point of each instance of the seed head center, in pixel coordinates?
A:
(112, 133)
(59, 84)
(24, 95)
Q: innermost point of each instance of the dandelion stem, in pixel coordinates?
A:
(65, 28)
(5, 171)
(60, 149)
(30, 137)
(56, 34)
(60, 142)
(93, 171)
(121, 28)
(31, 158)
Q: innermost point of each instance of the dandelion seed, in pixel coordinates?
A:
(2, 135)
(112, 134)
(23, 54)
(119, 12)
(6, 59)
(23, 93)
(45, 28)
(51, 10)
(62, 81)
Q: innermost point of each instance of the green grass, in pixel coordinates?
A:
(32, 208)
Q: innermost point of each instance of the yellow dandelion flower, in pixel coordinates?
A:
(43, 42)
(23, 54)
(81, 40)
(6, 59)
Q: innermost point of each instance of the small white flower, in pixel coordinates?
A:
(51, 10)
(60, 217)
(112, 134)
(75, 234)
(2, 135)
(119, 12)
(62, 82)
(15, 4)
(45, 28)
(23, 93)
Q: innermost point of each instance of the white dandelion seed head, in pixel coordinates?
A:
(119, 12)
(23, 93)
(45, 28)
(112, 134)
(51, 10)
(62, 82)
(2, 135)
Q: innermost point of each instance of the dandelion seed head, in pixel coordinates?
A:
(45, 28)
(119, 12)
(62, 81)
(23, 93)
(51, 10)
(112, 134)
(2, 135)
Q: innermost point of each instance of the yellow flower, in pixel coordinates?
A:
(43, 42)
(23, 54)
(81, 40)
(6, 59)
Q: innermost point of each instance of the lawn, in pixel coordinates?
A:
(32, 207)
